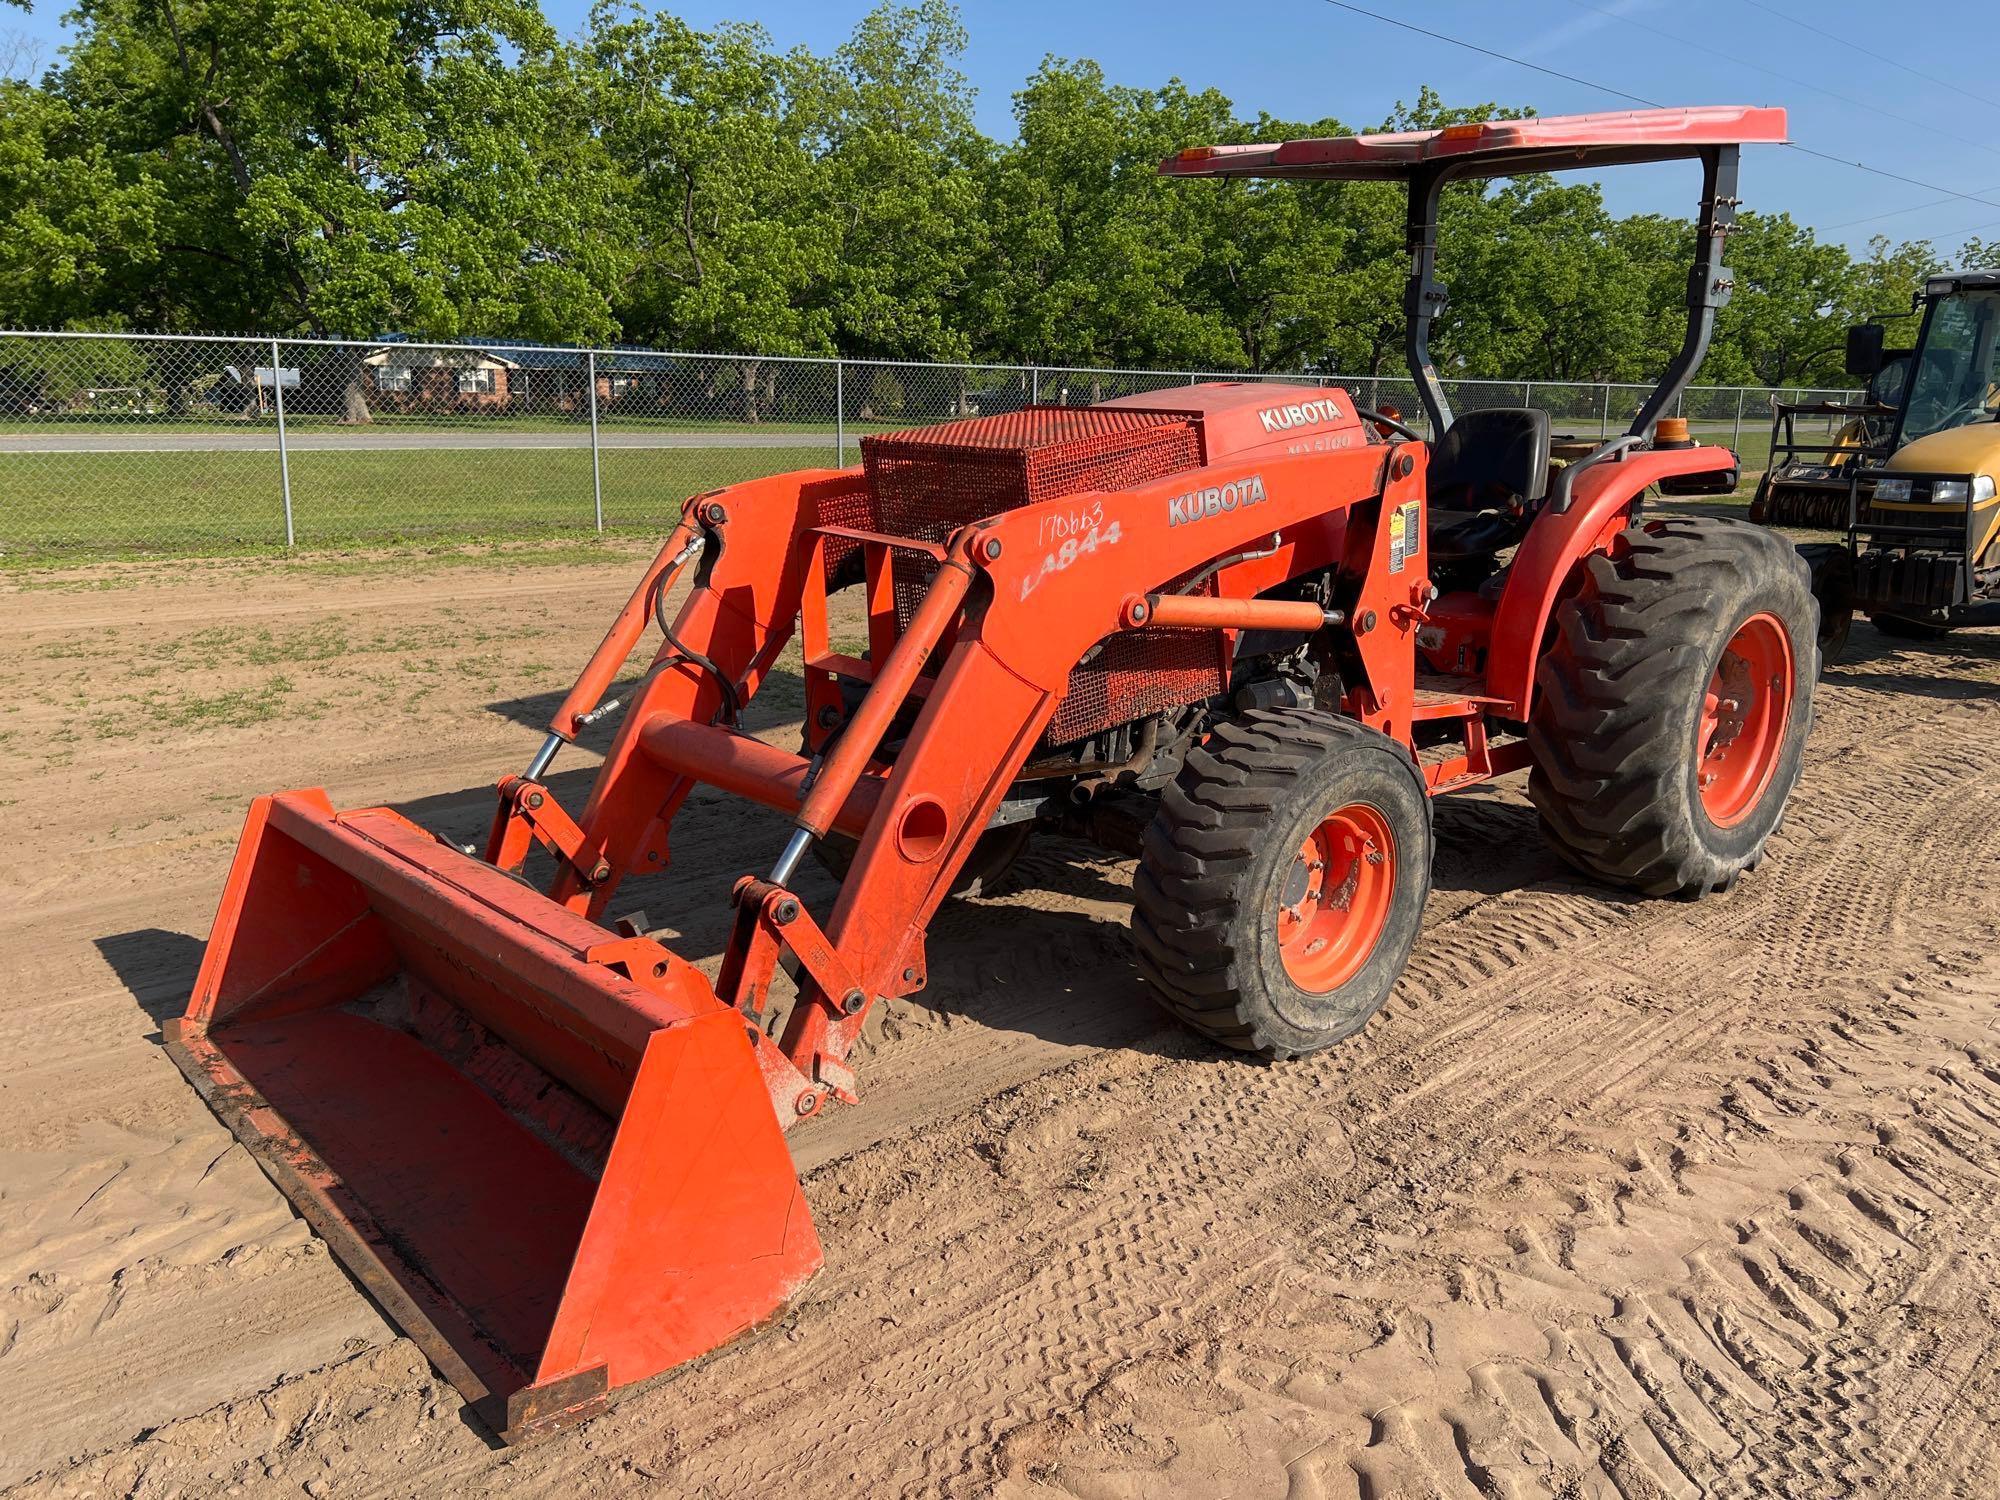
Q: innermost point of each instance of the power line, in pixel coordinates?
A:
(1862, 166)
(1899, 213)
(1605, 88)
(1708, 50)
(1439, 36)
(1966, 236)
(1868, 52)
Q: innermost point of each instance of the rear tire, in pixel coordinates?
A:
(1672, 708)
(1283, 881)
(1830, 568)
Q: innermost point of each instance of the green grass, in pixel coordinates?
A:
(233, 708)
(60, 509)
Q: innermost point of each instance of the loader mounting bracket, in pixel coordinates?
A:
(528, 813)
(771, 921)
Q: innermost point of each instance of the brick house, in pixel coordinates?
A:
(406, 378)
(633, 379)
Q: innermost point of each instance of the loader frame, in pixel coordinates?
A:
(1004, 671)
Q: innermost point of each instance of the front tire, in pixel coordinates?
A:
(1672, 708)
(1283, 881)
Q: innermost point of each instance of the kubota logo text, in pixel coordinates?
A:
(1300, 414)
(1198, 505)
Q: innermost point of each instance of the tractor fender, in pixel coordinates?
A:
(1601, 506)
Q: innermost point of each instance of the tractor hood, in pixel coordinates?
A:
(1961, 450)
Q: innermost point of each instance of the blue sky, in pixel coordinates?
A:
(1305, 58)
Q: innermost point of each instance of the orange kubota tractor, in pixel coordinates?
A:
(1255, 623)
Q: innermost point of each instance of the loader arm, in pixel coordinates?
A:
(1031, 609)
(740, 615)
(1045, 605)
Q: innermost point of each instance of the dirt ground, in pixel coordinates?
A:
(1616, 1197)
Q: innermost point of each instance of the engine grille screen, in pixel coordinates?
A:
(928, 482)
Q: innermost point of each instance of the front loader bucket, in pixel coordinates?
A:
(558, 1173)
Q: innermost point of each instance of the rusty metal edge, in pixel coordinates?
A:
(348, 1244)
(537, 1410)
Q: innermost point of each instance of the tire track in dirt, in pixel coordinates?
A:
(1601, 1206)
(1656, 1432)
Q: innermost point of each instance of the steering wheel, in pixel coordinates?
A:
(1382, 419)
(1978, 408)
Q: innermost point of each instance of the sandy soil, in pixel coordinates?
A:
(1615, 1198)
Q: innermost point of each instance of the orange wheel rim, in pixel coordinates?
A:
(1335, 899)
(1743, 717)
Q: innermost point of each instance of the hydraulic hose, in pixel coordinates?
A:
(732, 702)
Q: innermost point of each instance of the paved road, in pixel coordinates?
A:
(390, 440)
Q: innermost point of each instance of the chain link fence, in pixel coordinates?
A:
(115, 444)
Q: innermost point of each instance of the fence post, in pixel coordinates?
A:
(596, 461)
(1527, 393)
(1034, 385)
(1736, 442)
(839, 414)
(1604, 422)
(284, 456)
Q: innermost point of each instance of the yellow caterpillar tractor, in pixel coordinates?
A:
(1911, 476)
(1806, 484)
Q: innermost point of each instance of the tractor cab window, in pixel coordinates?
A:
(1957, 377)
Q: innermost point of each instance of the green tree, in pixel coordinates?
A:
(1277, 259)
(1782, 325)
(1658, 249)
(345, 167)
(1890, 279)
(1980, 255)
(73, 228)
(1096, 260)
(714, 170)
(1541, 289)
(897, 183)
(37, 374)
(451, 169)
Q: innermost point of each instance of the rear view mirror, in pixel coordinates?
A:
(1864, 348)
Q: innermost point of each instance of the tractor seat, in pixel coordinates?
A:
(1487, 474)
